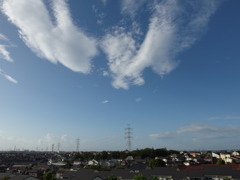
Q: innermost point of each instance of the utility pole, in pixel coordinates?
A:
(128, 137)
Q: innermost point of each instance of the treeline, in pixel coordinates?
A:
(139, 153)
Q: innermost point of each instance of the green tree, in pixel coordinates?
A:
(77, 156)
(154, 178)
(220, 161)
(139, 177)
(87, 156)
(227, 178)
(48, 176)
(5, 178)
(116, 154)
(157, 163)
(112, 177)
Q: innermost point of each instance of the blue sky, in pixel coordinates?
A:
(87, 69)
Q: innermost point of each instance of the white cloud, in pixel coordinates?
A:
(120, 49)
(4, 53)
(60, 41)
(171, 30)
(195, 128)
(2, 37)
(165, 135)
(105, 73)
(8, 77)
(139, 99)
(131, 6)
(196, 135)
(104, 2)
(205, 128)
(105, 101)
(8, 142)
(49, 139)
(12, 142)
(214, 137)
(99, 15)
(224, 118)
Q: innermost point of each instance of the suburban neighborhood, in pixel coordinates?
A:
(161, 164)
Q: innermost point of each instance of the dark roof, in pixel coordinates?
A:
(139, 166)
(23, 177)
(175, 173)
(162, 171)
(211, 171)
(86, 174)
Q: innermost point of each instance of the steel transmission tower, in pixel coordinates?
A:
(78, 144)
(128, 136)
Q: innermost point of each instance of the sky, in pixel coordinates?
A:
(88, 69)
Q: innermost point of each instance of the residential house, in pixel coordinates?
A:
(35, 173)
(92, 163)
(215, 155)
(235, 153)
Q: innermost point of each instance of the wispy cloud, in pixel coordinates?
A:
(8, 142)
(206, 128)
(224, 118)
(214, 137)
(196, 135)
(139, 99)
(105, 73)
(105, 101)
(2, 37)
(63, 141)
(165, 135)
(172, 28)
(104, 2)
(8, 77)
(130, 7)
(99, 15)
(59, 41)
(4, 53)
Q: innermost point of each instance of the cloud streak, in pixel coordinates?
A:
(165, 135)
(4, 53)
(192, 135)
(2, 37)
(139, 99)
(205, 128)
(58, 41)
(8, 77)
(130, 7)
(172, 29)
(105, 102)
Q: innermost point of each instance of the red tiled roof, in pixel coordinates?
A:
(233, 166)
